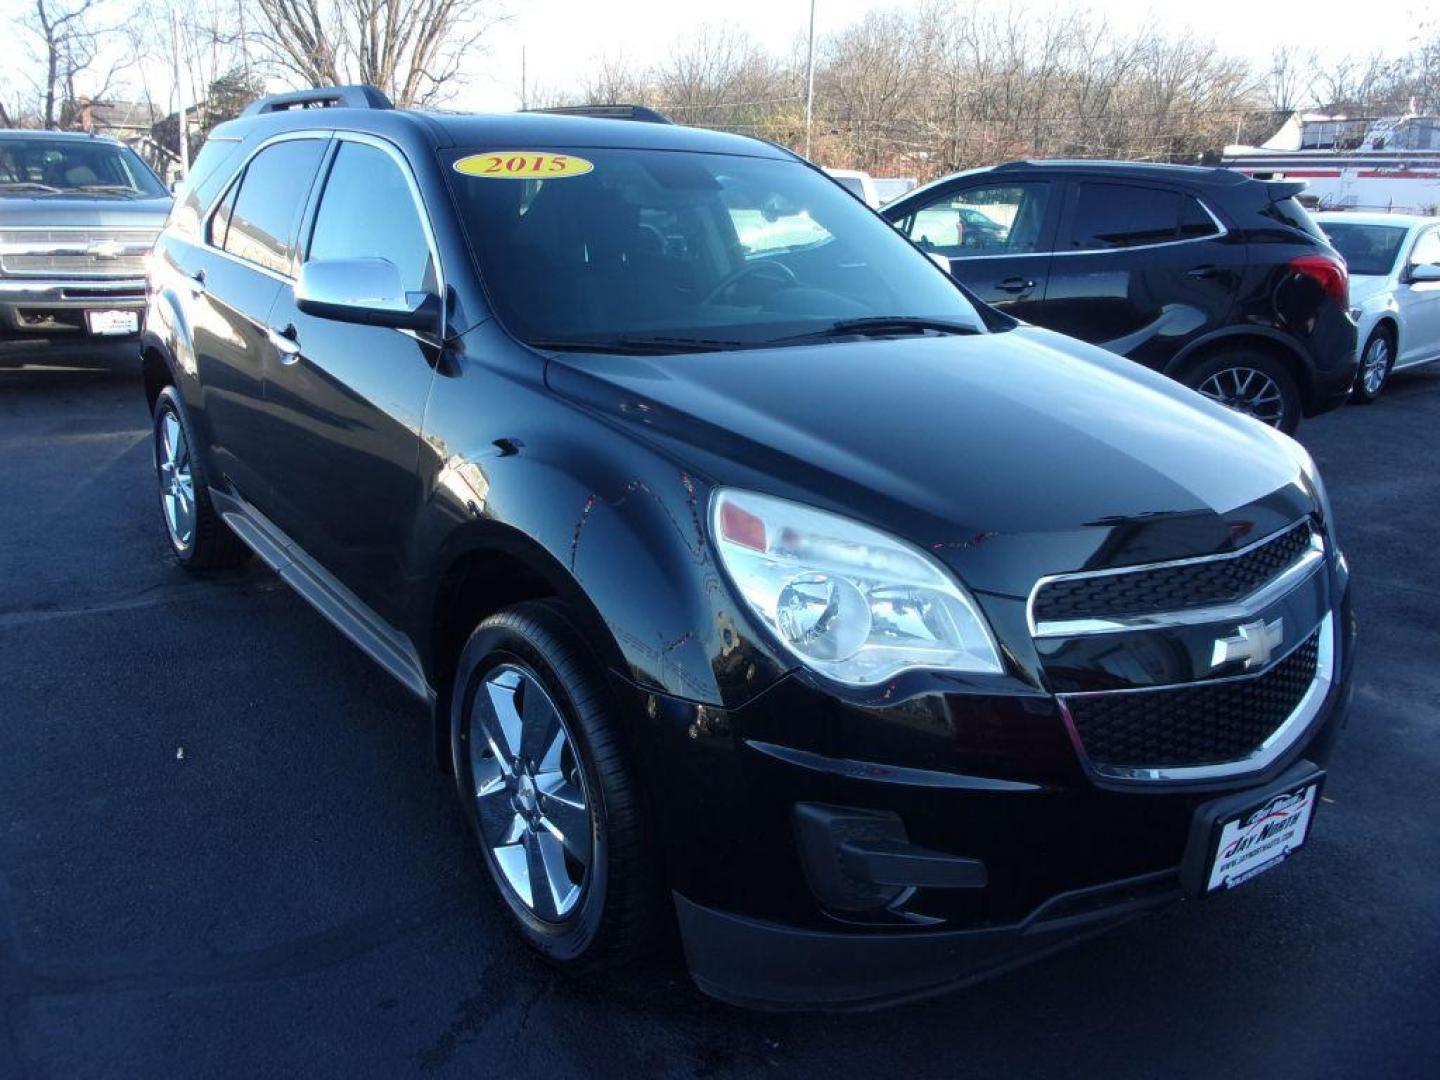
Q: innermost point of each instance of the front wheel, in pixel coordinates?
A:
(547, 791)
(1376, 361)
(1252, 383)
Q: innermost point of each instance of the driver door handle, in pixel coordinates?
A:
(286, 342)
(1015, 285)
(196, 283)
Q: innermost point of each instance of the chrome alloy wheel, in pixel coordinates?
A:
(177, 485)
(1376, 364)
(530, 794)
(1247, 391)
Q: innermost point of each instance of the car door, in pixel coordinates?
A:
(347, 399)
(233, 277)
(996, 234)
(1419, 302)
(1141, 269)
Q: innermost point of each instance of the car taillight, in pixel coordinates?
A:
(1330, 274)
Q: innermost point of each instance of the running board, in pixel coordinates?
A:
(375, 637)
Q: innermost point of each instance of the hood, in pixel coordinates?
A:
(70, 211)
(1007, 454)
(1365, 287)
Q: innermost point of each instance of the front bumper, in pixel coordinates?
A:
(992, 780)
(45, 319)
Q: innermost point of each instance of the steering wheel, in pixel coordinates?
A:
(777, 272)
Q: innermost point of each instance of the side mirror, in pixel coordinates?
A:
(364, 291)
(1420, 272)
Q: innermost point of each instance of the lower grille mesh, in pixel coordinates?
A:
(1204, 724)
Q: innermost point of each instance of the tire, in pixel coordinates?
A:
(199, 539)
(1250, 382)
(585, 898)
(1377, 360)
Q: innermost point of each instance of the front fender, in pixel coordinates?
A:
(607, 518)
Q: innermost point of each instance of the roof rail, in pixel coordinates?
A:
(639, 113)
(332, 97)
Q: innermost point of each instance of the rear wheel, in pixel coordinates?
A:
(550, 798)
(198, 537)
(1252, 383)
(1376, 362)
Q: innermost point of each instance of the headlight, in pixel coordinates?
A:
(849, 602)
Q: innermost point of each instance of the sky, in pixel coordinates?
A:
(563, 39)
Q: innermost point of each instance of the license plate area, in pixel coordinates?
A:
(111, 323)
(1241, 836)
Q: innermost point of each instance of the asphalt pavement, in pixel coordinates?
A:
(224, 849)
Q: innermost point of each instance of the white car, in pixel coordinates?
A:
(1394, 262)
(873, 191)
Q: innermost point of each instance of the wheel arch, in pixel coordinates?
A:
(1271, 343)
(486, 569)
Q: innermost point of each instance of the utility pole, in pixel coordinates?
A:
(184, 120)
(810, 81)
(524, 83)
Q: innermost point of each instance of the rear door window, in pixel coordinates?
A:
(267, 209)
(1122, 216)
(1195, 220)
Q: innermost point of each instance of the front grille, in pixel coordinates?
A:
(1203, 724)
(66, 253)
(1199, 583)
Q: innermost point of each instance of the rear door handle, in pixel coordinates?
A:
(286, 342)
(1203, 272)
(1015, 285)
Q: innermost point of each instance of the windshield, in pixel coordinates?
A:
(689, 249)
(30, 167)
(1367, 249)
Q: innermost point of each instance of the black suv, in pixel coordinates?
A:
(756, 579)
(1218, 280)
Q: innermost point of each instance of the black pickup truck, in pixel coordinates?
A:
(78, 213)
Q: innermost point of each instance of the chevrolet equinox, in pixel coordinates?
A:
(760, 582)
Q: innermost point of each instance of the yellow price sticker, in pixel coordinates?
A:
(522, 165)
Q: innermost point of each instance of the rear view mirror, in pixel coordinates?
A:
(1425, 272)
(364, 291)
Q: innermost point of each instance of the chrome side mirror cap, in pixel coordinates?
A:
(365, 291)
(1422, 272)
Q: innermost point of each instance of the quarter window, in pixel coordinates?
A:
(367, 211)
(1002, 219)
(1124, 215)
(267, 209)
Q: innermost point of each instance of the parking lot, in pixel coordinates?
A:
(224, 848)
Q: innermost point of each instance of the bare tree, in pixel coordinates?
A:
(411, 49)
(70, 45)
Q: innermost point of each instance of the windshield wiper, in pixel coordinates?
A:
(30, 185)
(640, 345)
(883, 325)
(110, 189)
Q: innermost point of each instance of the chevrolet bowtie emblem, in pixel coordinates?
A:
(1253, 643)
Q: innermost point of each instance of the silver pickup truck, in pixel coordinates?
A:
(78, 213)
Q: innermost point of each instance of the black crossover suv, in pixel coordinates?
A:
(1218, 280)
(758, 581)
